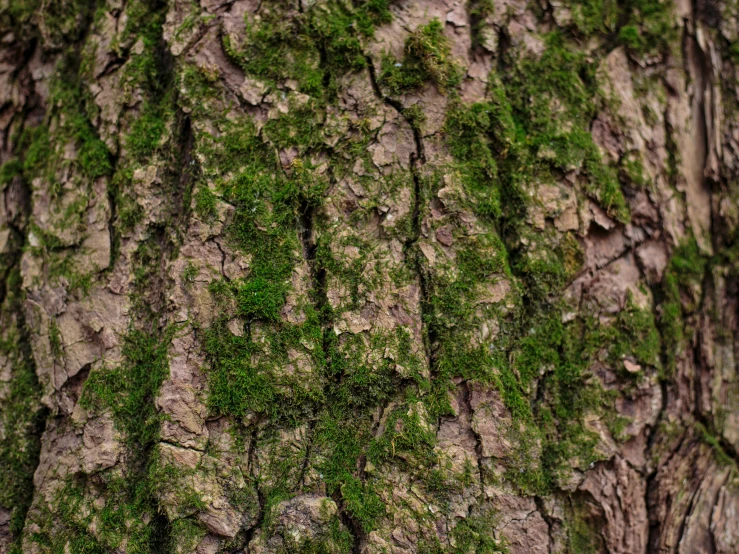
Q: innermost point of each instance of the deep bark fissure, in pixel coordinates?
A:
(17, 204)
(416, 161)
(37, 422)
(467, 393)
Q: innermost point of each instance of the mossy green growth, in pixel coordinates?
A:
(594, 16)
(546, 264)
(248, 376)
(631, 171)
(480, 137)
(17, 15)
(128, 391)
(426, 58)
(473, 534)
(300, 128)
(341, 435)
(470, 534)
(408, 433)
(42, 155)
(356, 386)
(21, 420)
(634, 334)
(247, 372)
(554, 99)
(63, 22)
(559, 355)
(562, 354)
(334, 539)
(450, 314)
(718, 450)
(312, 48)
(533, 125)
(74, 107)
(35, 144)
(129, 515)
(582, 536)
(650, 28)
(147, 131)
(146, 68)
(679, 286)
(205, 203)
(646, 28)
(261, 298)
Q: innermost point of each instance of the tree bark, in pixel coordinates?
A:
(369, 276)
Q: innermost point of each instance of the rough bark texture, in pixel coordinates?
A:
(369, 276)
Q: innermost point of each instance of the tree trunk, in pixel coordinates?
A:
(369, 276)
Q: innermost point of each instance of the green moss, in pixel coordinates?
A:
(683, 274)
(427, 58)
(300, 127)
(63, 22)
(473, 534)
(190, 272)
(176, 482)
(561, 354)
(71, 99)
(415, 116)
(10, 169)
(363, 383)
(261, 298)
(361, 502)
(245, 371)
(205, 203)
(248, 375)
(535, 124)
(146, 132)
(594, 16)
(711, 440)
(22, 422)
(581, 530)
(650, 27)
(733, 51)
(631, 171)
(128, 391)
(127, 515)
(645, 28)
(312, 48)
(55, 339)
(479, 134)
(371, 13)
(408, 435)
(545, 268)
(634, 334)
(341, 441)
(146, 69)
(18, 13)
(354, 388)
(186, 535)
(36, 145)
(563, 75)
(335, 539)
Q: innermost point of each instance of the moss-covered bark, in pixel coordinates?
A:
(369, 276)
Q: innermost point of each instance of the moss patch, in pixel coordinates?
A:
(427, 58)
